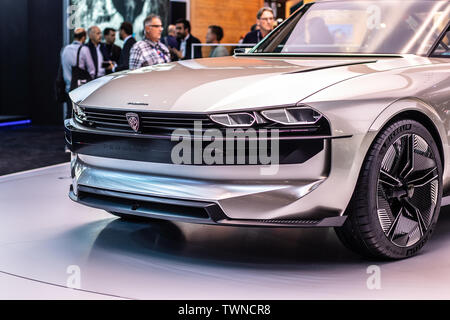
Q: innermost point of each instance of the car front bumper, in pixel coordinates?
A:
(313, 193)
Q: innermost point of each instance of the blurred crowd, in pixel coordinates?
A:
(82, 62)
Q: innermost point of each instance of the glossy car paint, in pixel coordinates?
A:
(358, 95)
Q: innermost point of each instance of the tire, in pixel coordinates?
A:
(397, 199)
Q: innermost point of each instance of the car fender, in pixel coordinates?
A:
(413, 104)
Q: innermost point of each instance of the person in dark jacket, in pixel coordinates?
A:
(171, 39)
(126, 34)
(186, 40)
(171, 42)
(94, 56)
(265, 21)
(110, 38)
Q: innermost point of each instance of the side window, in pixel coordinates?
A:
(443, 48)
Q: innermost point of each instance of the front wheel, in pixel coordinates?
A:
(396, 202)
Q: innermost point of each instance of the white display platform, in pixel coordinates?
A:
(43, 233)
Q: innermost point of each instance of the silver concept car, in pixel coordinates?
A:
(338, 118)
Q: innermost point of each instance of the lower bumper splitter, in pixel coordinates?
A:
(182, 210)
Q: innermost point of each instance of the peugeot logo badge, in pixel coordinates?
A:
(133, 121)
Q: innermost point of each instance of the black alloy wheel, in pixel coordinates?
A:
(396, 202)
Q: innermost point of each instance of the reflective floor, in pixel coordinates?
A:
(47, 242)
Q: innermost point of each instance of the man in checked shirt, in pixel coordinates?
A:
(150, 51)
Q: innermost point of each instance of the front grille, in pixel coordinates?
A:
(159, 123)
(150, 122)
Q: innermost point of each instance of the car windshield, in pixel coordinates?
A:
(361, 27)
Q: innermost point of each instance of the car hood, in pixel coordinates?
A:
(230, 83)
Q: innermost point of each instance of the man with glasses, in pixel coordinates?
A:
(151, 50)
(265, 21)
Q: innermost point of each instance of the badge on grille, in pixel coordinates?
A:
(133, 121)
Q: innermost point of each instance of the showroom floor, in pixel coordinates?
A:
(46, 240)
(29, 147)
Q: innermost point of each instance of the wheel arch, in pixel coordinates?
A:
(419, 111)
(425, 121)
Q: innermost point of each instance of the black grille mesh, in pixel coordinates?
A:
(151, 123)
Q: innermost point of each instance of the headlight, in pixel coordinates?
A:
(288, 116)
(293, 115)
(243, 119)
(78, 112)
